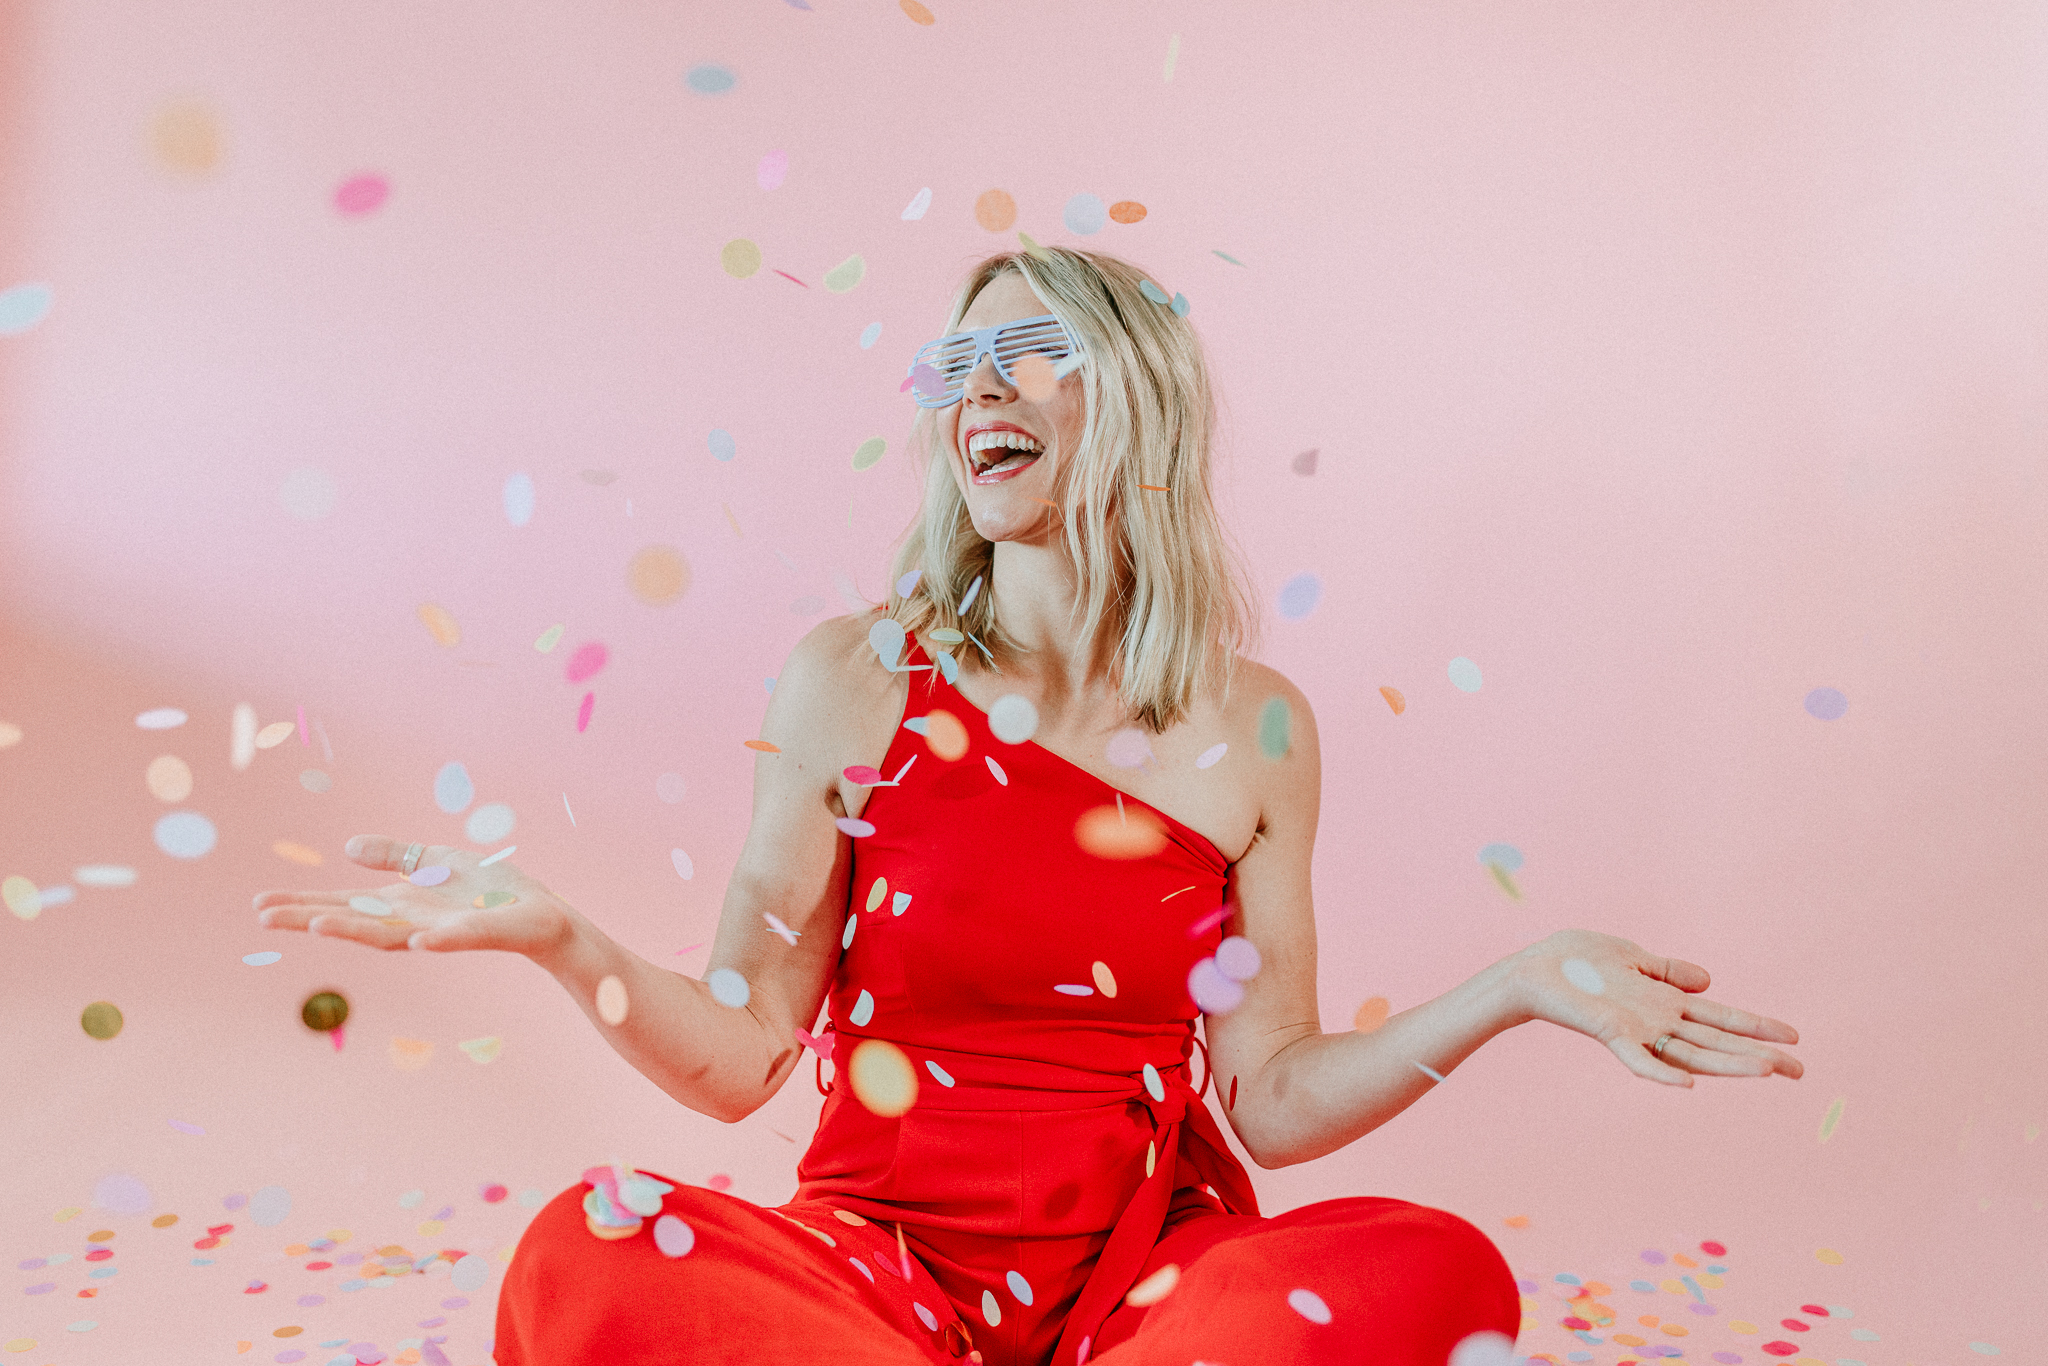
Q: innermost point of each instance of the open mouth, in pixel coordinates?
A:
(998, 455)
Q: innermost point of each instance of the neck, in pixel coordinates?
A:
(1036, 590)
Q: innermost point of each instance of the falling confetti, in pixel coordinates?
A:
(658, 574)
(1211, 756)
(919, 202)
(410, 1055)
(739, 258)
(945, 734)
(361, 194)
(489, 823)
(518, 499)
(22, 307)
(1371, 1015)
(1834, 1117)
(710, 79)
(185, 834)
(995, 210)
(1826, 704)
(869, 452)
(1276, 728)
(262, 960)
(1013, 719)
(440, 624)
(1394, 700)
(1084, 214)
(482, 1051)
(1172, 56)
(10, 734)
(869, 335)
(1105, 980)
(186, 138)
(1309, 1305)
(774, 166)
(918, 13)
(1128, 748)
(611, 1001)
(673, 1237)
(1464, 674)
(1120, 833)
(845, 275)
(1299, 596)
(1584, 976)
(101, 1019)
(882, 1078)
(162, 718)
(1228, 257)
(728, 988)
(1127, 211)
(1215, 993)
(22, 898)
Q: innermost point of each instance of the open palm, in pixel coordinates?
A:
(475, 907)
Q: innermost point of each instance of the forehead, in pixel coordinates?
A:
(1004, 299)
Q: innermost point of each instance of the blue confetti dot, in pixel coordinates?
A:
(769, 684)
(453, 791)
(869, 335)
(22, 307)
(1509, 859)
(1642, 1285)
(1299, 596)
(710, 79)
(1826, 704)
(261, 960)
(519, 499)
(1464, 675)
(1562, 1277)
(1085, 214)
(722, 447)
(185, 834)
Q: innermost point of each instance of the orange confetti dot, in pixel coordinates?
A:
(1107, 832)
(187, 138)
(168, 778)
(918, 13)
(297, 853)
(659, 575)
(995, 210)
(1395, 700)
(1126, 211)
(163, 1221)
(288, 1331)
(1517, 1221)
(441, 622)
(882, 1078)
(1371, 1016)
(763, 746)
(1154, 1287)
(1156, 488)
(945, 734)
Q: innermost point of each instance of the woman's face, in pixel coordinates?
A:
(1004, 482)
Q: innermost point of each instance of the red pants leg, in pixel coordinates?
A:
(756, 1286)
(1402, 1285)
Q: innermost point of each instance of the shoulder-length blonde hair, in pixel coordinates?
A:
(1157, 572)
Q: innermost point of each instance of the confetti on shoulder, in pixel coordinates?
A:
(764, 746)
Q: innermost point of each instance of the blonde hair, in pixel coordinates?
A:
(1157, 571)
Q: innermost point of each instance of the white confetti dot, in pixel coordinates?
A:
(369, 905)
(869, 335)
(519, 499)
(1484, 1348)
(684, 868)
(854, 826)
(1129, 748)
(1019, 1287)
(1208, 757)
(1074, 989)
(943, 1078)
(163, 718)
(122, 1194)
(1584, 976)
(533, 1197)
(861, 1267)
(991, 1312)
(104, 875)
(1464, 675)
(919, 202)
(489, 824)
(472, 1273)
(1237, 958)
(997, 770)
(728, 988)
(1154, 1087)
(1013, 719)
(846, 939)
(453, 791)
(674, 1237)
(863, 1009)
(261, 960)
(1309, 1305)
(185, 834)
(611, 1001)
(1212, 991)
(270, 1206)
(925, 1317)
(899, 903)
(411, 1199)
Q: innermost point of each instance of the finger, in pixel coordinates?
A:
(362, 929)
(332, 900)
(1763, 1059)
(451, 936)
(381, 851)
(1639, 1060)
(1713, 1062)
(1740, 1021)
(1679, 973)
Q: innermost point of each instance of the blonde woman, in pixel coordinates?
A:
(1021, 829)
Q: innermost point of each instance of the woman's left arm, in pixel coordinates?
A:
(1301, 1093)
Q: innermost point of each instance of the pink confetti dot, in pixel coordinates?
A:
(863, 775)
(719, 1181)
(854, 827)
(587, 660)
(774, 166)
(361, 194)
(493, 1193)
(583, 712)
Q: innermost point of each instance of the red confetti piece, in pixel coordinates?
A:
(318, 1266)
(1576, 1322)
(719, 1182)
(1714, 1249)
(1780, 1349)
(791, 278)
(493, 1193)
(1209, 922)
(1795, 1325)
(1816, 1310)
(863, 775)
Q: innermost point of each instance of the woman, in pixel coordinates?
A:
(995, 828)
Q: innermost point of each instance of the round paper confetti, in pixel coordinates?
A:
(854, 826)
(1085, 214)
(1464, 674)
(361, 194)
(991, 1312)
(882, 1078)
(489, 823)
(324, 1010)
(10, 734)
(996, 770)
(120, 1193)
(1105, 980)
(104, 875)
(1128, 748)
(1154, 1287)
(918, 13)
(773, 168)
(270, 1206)
(587, 662)
(1826, 704)
(1211, 990)
(939, 1075)
(1127, 211)
(886, 638)
(1013, 719)
(845, 275)
(674, 1237)
(869, 335)
(410, 1055)
(869, 453)
(1237, 958)
(168, 778)
(1276, 728)
(472, 1273)
(1133, 832)
(1503, 856)
(1584, 976)
(518, 499)
(1209, 757)
(163, 718)
(453, 790)
(101, 1019)
(1019, 1287)
(945, 734)
(262, 960)
(274, 734)
(1299, 596)
(728, 988)
(186, 138)
(739, 258)
(995, 210)
(1484, 1348)
(684, 868)
(481, 1052)
(658, 575)
(878, 892)
(440, 624)
(1153, 292)
(611, 1001)
(185, 834)
(1309, 1305)
(710, 79)
(863, 1009)
(308, 494)
(22, 897)
(1371, 1015)
(919, 202)
(1394, 700)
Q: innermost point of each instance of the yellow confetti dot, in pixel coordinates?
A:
(1709, 1281)
(23, 898)
(486, 900)
(1371, 1016)
(410, 1055)
(740, 258)
(995, 210)
(918, 13)
(1833, 1118)
(1113, 833)
(1741, 1326)
(1828, 1255)
(945, 734)
(20, 1344)
(168, 778)
(163, 1221)
(1672, 1287)
(1395, 700)
(611, 1001)
(847, 1216)
(186, 138)
(297, 853)
(441, 623)
(324, 1010)
(274, 734)
(430, 1228)
(1105, 980)
(289, 1331)
(68, 1213)
(101, 1019)
(339, 1235)
(1648, 1320)
(1154, 1287)
(1677, 1330)
(882, 1078)
(659, 575)
(878, 893)
(1151, 1157)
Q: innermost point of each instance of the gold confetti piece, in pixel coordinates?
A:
(1155, 488)
(1154, 1287)
(611, 1001)
(1517, 1221)
(1171, 895)
(878, 893)
(163, 1221)
(733, 521)
(845, 275)
(1105, 980)
(1172, 54)
(68, 1213)
(441, 622)
(324, 1010)
(918, 13)
(658, 575)
(945, 734)
(882, 1078)
(22, 897)
(297, 853)
(20, 1344)
(496, 898)
(168, 778)
(430, 1228)
(847, 1216)
(763, 746)
(410, 1055)
(290, 1330)
(1827, 1255)
(186, 139)
(739, 258)
(484, 1050)
(101, 1019)
(1032, 247)
(1112, 833)
(1395, 700)
(1151, 1157)
(1371, 1015)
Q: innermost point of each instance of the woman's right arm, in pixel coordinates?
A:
(826, 713)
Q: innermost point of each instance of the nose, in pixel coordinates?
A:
(985, 385)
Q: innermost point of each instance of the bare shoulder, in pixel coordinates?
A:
(1268, 719)
(833, 698)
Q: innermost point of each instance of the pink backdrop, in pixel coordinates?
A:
(1667, 363)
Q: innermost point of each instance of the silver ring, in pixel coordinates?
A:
(1658, 1051)
(412, 859)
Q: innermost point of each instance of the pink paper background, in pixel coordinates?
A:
(1668, 362)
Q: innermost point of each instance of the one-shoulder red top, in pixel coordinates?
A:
(1040, 992)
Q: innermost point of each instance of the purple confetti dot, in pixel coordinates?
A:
(455, 1302)
(33, 1264)
(1212, 991)
(447, 1211)
(289, 1356)
(310, 1301)
(1728, 1359)
(45, 1288)
(434, 1322)
(1826, 704)
(854, 827)
(433, 875)
(368, 1353)
(1699, 1308)
(348, 1259)
(1654, 1257)
(1526, 1287)
(235, 1201)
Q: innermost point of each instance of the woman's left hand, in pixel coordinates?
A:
(1627, 998)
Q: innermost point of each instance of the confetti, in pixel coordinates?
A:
(1299, 596)
(919, 202)
(945, 734)
(1584, 976)
(1153, 292)
(1487, 1347)
(507, 852)
(1431, 1073)
(518, 499)
(1371, 1015)
(1127, 211)
(739, 258)
(995, 210)
(1276, 727)
(1154, 1287)
(1111, 833)
(1394, 700)
(185, 834)
(1019, 1287)
(869, 453)
(899, 903)
(1228, 257)
(1013, 719)
(10, 734)
(1213, 992)
(1309, 1305)
(162, 718)
(776, 924)
(1826, 704)
(186, 139)
(324, 1010)
(728, 988)
(168, 778)
(483, 1051)
(611, 1001)
(1208, 922)
(845, 275)
(943, 1078)
(791, 278)
(1464, 674)
(587, 662)
(918, 13)
(1074, 989)
(1105, 980)
(869, 335)
(489, 823)
(1085, 214)
(771, 170)
(709, 79)
(261, 960)
(855, 827)
(882, 1078)
(1128, 748)
(1180, 305)
(270, 1206)
(22, 897)
(996, 770)
(361, 194)
(1238, 959)
(410, 1055)
(1209, 757)
(674, 1237)
(863, 1009)
(658, 574)
(101, 1019)
(763, 746)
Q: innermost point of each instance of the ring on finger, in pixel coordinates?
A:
(411, 860)
(1657, 1051)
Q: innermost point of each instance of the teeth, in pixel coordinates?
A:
(1015, 441)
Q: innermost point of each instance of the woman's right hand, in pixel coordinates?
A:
(444, 918)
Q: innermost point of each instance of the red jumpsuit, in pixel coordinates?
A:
(1040, 993)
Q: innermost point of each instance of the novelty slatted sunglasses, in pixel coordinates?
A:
(940, 369)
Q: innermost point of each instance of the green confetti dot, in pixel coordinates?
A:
(101, 1019)
(845, 275)
(1276, 728)
(869, 452)
(1827, 1126)
(548, 639)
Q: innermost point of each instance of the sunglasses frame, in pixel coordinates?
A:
(987, 341)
